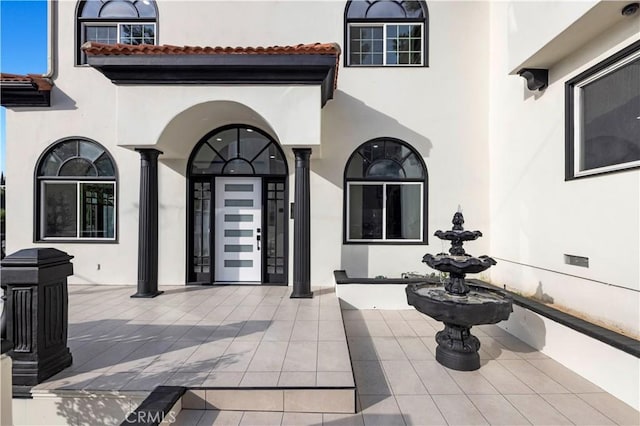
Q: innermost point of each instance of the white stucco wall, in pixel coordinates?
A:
(537, 217)
(405, 103)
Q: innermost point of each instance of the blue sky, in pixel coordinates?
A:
(23, 45)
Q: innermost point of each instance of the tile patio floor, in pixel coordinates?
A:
(228, 336)
(240, 336)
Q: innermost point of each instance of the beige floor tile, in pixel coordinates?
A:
(333, 356)
(305, 330)
(237, 356)
(378, 328)
(388, 349)
(370, 378)
(414, 349)
(244, 399)
(297, 379)
(301, 356)
(302, 419)
(331, 419)
(147, 381)
(334, 378)
(502, 379)
(497, 410)
(400, 328)
(188, 417)
(577, 410)
(260, 379)
(356, 328)
(279, 330)
(419, 410)
(492, 349)
(422, 328)
(318, 400)
(194, 399)
(459, 410)
(263, 313)
(331, 330)
(260, 418)
(381, 411)
(534, 378)
(187, 379)
(253, 330)
(362, 349)
(435, 378)
(220, 418)
(106, 382)
(472, 382)
(402, 378)
(391, 315)
(612, 407)
(223, 379)
(308, 313)
(565, 377)
(269, 356)
(536, 410)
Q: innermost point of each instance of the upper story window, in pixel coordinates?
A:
(386, 33)
(385, 194)
(76, 192)
(115, 21)
(603, 116)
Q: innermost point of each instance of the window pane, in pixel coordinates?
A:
(50, 165)
(237, 167)
(385, 168)
(611, 128)
(105, 167)
(365, 212)
(90, 151)
(365, 45)
(226, 143)
(77, 167)
(270, 162)
(59, 210)
(101, 33)
(404, 212)
(118, 9)
(97, 210)
(251, 143)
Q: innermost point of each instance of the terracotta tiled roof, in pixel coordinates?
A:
(37, 80)
(100, 49)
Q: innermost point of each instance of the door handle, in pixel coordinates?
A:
(258, 241)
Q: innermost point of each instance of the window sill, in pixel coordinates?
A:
(83, 241)
(386, 243)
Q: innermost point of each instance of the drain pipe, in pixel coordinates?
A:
(51, 11)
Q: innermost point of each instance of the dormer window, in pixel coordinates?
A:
(115, 21)
(386, 33)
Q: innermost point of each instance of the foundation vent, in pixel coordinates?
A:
(570, 259)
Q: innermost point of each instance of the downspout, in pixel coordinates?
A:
(51, 68)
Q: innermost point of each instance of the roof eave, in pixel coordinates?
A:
(295, 68)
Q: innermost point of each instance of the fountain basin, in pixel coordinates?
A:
(480, 306)
(460, 264)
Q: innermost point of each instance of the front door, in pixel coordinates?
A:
(238, 226)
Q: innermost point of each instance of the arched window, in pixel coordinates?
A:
(76, 192)
(385, 193)
(115, 21)
(238, 151)
(386, 33)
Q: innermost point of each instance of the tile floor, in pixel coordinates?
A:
(256, 336)
(234, 336)
(399, 382)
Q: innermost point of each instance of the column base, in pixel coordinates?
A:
(146, 295)
(295, 295)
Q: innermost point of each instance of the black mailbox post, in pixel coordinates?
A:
(35, 282)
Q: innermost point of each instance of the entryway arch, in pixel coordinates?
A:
(237, 218)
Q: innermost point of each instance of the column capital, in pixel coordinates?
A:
(148, 153)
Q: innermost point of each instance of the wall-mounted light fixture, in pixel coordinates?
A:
(630, 9)
(537, 78)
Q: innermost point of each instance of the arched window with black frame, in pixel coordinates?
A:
(115, 21)
(76, 192)
(386, 33)
(385, 194)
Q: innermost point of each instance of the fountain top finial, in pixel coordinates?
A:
(458, 220)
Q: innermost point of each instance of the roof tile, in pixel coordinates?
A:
(101, 49)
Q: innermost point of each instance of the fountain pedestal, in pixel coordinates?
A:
(457, 304)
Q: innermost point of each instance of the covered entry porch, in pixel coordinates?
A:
(193, 96)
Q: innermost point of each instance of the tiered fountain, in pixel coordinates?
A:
(458, 304)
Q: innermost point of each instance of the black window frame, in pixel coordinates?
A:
(40, 180)
(81, 23)
(347, 181)
(383, 22)
(267, 179)
(571, 172)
